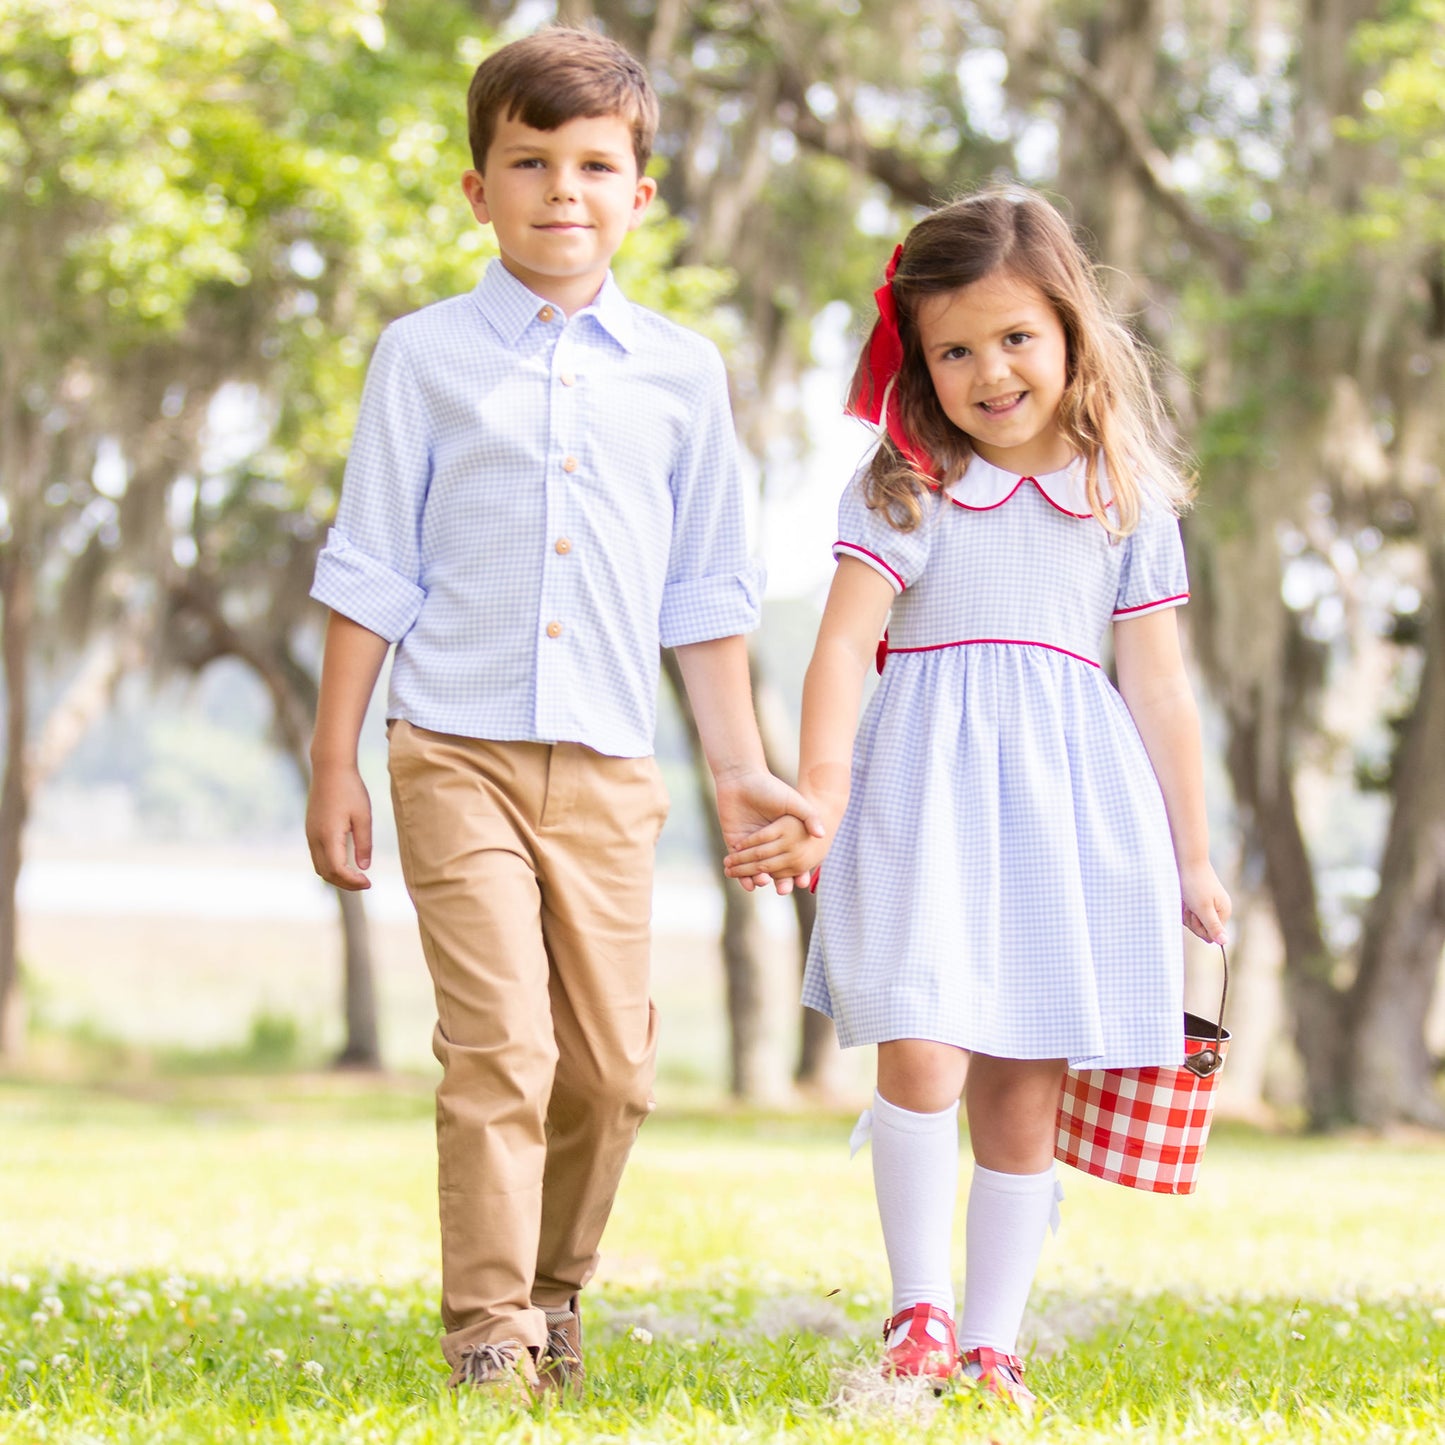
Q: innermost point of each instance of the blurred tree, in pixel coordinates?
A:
(215, 209)
(1265, 177)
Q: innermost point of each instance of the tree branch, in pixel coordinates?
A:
(1150, 163)
(842, 139)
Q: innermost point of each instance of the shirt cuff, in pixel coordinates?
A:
(1140, 609)
(367, 591)
(873, 560)
(700, 609)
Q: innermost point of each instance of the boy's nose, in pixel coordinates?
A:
(564, 186)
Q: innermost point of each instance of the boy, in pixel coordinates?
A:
(542, 489)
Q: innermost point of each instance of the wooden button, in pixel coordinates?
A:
(570, 465)
(554, 629)
(563, 546)
(546, 314)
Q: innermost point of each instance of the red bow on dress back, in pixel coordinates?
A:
(876, 399)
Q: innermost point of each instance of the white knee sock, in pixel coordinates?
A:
(915, 1176)
(1008, 1216)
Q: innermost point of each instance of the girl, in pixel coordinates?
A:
(1004, 887)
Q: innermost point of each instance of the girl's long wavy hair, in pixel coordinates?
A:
(1110, 410)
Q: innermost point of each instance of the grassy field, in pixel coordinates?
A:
(255, 1261)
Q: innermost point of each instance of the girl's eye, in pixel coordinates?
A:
(955, 353)
(1017, 338)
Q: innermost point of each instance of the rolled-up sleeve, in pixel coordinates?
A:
(370, 568)
(713, 587)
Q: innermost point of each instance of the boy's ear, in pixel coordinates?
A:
(641, 200)
(474, 189)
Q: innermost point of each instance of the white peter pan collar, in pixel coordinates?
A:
(984, 486)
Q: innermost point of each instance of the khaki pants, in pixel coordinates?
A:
(531, 867)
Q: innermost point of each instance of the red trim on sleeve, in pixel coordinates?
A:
(1145, 606)
(864, 552)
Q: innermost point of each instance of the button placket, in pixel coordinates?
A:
(557, 590)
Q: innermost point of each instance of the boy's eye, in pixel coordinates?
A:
(528, 162)
(600, 166)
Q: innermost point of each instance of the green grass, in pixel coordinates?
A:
(255, 1261)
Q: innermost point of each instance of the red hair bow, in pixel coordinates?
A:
(875, 395)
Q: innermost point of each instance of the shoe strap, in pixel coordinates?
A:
(919, 1314)
(987, 1358)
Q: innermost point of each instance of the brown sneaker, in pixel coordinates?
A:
(504, 1366)
(561, 1367)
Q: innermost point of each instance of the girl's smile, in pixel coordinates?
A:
(998, 357)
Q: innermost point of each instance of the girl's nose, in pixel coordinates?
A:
(992, 366)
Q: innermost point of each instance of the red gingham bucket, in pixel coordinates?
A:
(1146, 1127)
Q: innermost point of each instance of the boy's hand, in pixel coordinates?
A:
(338, 809)
(785, 849)
(1206, 905)
(747, 801)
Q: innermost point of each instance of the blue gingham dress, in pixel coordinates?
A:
(1003, 879)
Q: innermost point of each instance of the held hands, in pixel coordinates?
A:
(1206, 904)
(747, 805)
(785, 849)
(338, 810)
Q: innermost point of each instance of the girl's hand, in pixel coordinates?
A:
(784, 849)
(745, 802)
(1206, 904)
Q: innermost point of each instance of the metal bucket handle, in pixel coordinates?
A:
(1207, 1061)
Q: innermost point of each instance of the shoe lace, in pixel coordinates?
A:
(484, 1361)
(559, 1345)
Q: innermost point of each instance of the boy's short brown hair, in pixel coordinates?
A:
(560, 74)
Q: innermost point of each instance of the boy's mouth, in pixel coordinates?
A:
(1001, 405)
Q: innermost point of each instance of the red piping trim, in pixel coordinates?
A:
(854, 547)
(1007, 641)
(1078, 516)
(1144, 606)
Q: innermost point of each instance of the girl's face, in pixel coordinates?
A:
(998, 356)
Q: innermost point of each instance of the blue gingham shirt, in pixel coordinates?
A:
(532, 503)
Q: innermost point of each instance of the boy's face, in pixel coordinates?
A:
(560, 202)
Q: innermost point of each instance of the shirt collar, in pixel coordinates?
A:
(984, 486)
(511, 307)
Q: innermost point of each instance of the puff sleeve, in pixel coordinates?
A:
(1152, 575)
(865, 532)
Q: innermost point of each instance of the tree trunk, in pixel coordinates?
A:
(293, 693)
(817, 1064)
(1264, 787)
(1393, 1075)
(362, 1049)
(17, 598)
(742, 971)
